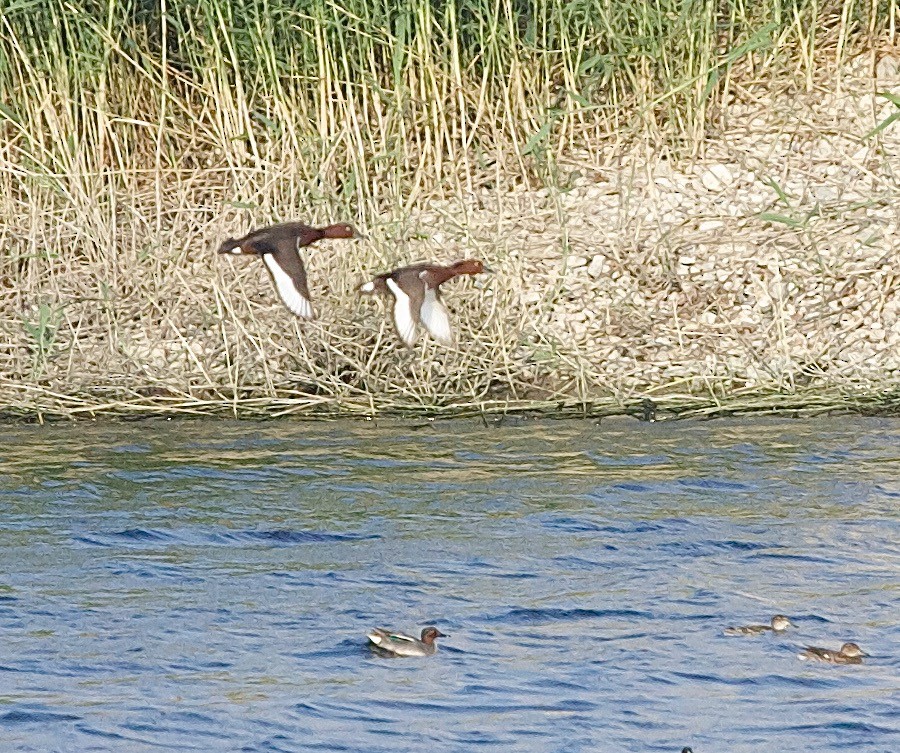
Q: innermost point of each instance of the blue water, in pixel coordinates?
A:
(207, 585)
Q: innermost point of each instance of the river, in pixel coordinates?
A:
(207, 585)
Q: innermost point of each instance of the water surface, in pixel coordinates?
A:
(206, 586)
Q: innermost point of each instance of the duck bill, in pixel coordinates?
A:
(442, 635)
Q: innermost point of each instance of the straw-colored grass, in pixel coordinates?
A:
(134, 137)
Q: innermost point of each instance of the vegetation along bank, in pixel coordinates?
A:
(698, 208)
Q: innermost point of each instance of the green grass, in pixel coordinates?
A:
(373, 102)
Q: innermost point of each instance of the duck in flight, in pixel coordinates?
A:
(279, 247)
(417, 298)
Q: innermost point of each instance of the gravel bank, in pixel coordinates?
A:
(764, 269)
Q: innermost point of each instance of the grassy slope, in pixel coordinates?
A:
(131, 142)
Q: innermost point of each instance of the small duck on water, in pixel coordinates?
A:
(388, 643)
(850, 653)
(779, 624)
(417, 298)
(279, 247)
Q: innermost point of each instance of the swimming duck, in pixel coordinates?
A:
(850, 653)
(417, 298)
(687, 750)
(279, 245)
(387, 643)
(780, 623)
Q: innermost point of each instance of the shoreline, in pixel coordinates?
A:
(762, 276)
(801, 405)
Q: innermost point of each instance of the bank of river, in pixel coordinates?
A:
(761, 274)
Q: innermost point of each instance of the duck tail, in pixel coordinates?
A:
(377, 284)
(377, 636)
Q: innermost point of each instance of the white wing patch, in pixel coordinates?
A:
(435, 317)
(403, 318)
(286, 289)
(380, 636)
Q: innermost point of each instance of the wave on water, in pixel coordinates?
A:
(124, 537)
(530, 616)
(193, 537)
(21, 716)
(287, 537)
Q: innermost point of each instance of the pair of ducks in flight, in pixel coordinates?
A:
(415, 288)
(392, 644)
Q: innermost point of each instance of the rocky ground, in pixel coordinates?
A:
(769, 265)
(771, 262)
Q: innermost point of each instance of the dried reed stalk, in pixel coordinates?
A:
(132, 142)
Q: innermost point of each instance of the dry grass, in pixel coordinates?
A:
(129, 161)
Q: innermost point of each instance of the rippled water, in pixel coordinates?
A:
(206, 586)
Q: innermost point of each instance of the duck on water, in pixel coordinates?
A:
(389, 643)
(779, 624)
(849, 653)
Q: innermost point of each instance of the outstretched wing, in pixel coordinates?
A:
(289, 275)
(435, 317)
(404, 319)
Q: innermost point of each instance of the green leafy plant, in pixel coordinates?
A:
(42, 330)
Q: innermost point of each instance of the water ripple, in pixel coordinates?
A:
(209, 585)
(143, 538)
(527, 616)
(21, 716)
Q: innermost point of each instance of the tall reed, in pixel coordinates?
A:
(374, 101)
(128, 127)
